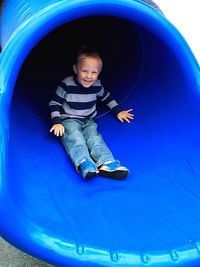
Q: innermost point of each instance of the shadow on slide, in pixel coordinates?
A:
(150, 219)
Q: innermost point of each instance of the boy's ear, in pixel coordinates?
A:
(75, 69)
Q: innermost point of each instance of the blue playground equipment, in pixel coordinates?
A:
(47, 210)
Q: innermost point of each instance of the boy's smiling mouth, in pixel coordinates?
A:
(87, 83)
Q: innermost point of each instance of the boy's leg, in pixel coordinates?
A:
(99, 151)
(75, 143)
(109, 167)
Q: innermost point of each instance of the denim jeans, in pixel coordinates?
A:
(82, 141)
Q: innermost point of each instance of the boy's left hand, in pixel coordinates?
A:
(125, 115)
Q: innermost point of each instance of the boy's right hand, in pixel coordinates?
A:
(58, 129)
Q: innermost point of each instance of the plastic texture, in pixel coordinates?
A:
(47, 210)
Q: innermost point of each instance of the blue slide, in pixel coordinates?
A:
(152, 218)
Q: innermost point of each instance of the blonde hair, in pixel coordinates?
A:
(86, 53)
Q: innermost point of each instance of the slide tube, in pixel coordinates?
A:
(46, 209)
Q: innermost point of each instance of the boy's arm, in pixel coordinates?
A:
(55, 104)
(106, 98)
(122, 115)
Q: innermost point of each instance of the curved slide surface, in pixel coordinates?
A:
(150, 219)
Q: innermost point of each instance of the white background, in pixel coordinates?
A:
(185, 16)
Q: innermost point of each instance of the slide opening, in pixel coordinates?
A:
(118, 41)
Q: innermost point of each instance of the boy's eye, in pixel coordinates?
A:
(93, 72)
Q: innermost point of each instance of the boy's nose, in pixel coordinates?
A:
(89, 75)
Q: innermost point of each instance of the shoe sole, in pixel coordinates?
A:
(117, 174)
(89, 175)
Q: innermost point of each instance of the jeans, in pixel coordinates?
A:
(82, 141)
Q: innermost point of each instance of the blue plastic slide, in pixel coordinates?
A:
(152, 218)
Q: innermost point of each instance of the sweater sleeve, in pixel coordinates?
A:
(56, 103)
(105, 97)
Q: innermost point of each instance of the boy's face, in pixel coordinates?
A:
(87, 71)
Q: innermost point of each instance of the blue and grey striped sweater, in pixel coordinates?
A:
(72, 100)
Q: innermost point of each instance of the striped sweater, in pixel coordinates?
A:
(72, 100)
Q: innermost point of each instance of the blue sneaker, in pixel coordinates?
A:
(113, 169)
(88, 169)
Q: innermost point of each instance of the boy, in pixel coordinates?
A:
(73, 109)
